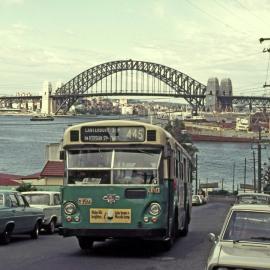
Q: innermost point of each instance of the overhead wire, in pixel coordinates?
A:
(231, 13)
(217, 19)
(252, 13)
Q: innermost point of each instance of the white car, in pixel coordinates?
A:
(244, 241)
(50, 203)
(252, 198)
(196, 200)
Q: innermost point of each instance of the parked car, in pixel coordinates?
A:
(17, 217)
(253, 198)
(196, 200)
(203, 199)
(50, 203)
(244, 241)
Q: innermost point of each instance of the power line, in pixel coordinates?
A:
(232, 13)
(216, 19)
(244, 7)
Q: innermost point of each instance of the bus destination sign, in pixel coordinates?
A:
(112, 134)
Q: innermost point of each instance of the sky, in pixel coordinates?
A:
(52, 40)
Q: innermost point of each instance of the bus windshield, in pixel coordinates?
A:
(114, 166)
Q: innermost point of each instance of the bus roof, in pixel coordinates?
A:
(154, 135)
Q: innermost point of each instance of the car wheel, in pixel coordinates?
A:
(35, 233)
(5, 237)
(85, 243)
(51, 227)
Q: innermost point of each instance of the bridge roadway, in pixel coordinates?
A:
(251, 101)
(54, 252)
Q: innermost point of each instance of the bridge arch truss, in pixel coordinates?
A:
(180, 84)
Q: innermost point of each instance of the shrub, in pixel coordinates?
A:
(25, 187)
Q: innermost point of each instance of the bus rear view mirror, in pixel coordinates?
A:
(62, 155)
(167, 151)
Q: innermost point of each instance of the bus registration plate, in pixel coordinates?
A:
(106, 215)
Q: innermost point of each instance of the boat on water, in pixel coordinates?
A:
(222, 138)
(217, 134)
(42, 118)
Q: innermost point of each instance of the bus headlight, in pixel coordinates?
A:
(154, 209)
(70, 208)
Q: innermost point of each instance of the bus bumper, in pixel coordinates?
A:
(114, 233)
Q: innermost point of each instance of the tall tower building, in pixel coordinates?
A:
(212, 91)
(226, 87)
(226, 91)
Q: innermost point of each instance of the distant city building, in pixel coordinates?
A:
(127, 110)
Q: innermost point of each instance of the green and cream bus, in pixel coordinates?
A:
(125, 179)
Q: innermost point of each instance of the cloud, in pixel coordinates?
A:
(159, 9)
(11, 2)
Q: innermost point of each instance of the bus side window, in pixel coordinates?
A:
(176, 168)
(185, 170)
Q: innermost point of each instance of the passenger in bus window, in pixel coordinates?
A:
(138, 177)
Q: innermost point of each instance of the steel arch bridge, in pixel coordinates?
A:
(180, 85)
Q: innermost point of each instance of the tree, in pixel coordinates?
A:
(26, 187)
(178, 130)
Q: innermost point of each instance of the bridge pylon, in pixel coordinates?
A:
(46, 107)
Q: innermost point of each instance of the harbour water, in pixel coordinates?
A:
(22, 148)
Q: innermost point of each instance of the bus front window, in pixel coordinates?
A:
(90, 177)
(125, 166)
(89, 158)
(135, 177)
(137, 166)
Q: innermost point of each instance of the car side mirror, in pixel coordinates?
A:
(212, 237)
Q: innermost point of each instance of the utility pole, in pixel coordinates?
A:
(259, 148)
(196, 179)
(264, 51)
(245, 175)
(263, 39)
(233, 177)
(254, 172)
(222, 180)
(259, 162)
(206, 186)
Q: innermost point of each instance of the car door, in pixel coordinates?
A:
(16, 213)
(6, 214)
(57, 205)
(31, 213)
(26, 219)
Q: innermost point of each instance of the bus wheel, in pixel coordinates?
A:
(183, 232)
(85, 243)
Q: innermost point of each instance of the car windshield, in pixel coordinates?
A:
(1, 200)
(248, 226)
(40, 199)
(253, 199)
(120, 166)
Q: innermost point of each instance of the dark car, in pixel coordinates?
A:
(17, 217)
